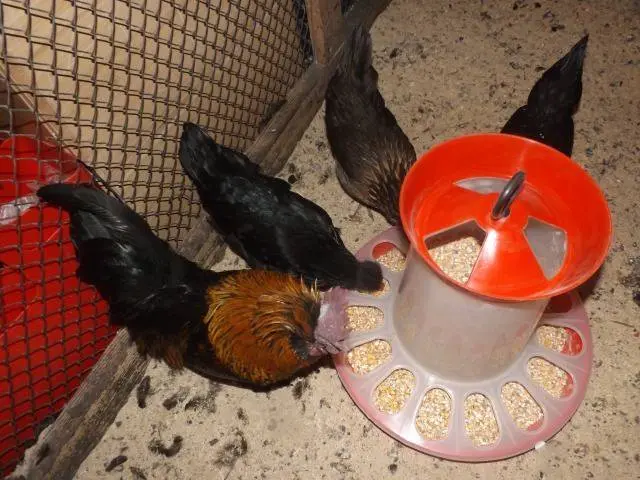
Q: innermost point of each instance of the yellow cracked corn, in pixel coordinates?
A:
(394, 260)
(553, 338)
(432, 420)
(456, 258)
(480, 422)
(366, 357)
(548, 376)
(521, 406)
(392, 393)
(361, 319)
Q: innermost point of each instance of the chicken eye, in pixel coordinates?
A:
(300, 346)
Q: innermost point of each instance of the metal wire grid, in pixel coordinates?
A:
(112, 82)
(52, 328)
(302, 26)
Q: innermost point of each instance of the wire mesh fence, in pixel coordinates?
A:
(97, 90)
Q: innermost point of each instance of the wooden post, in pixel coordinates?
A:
(93, 408)
(325, 28)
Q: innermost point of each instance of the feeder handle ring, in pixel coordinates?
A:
(507, 196)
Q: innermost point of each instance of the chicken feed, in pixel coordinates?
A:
(480, 423)
(362, 319)
(456, 258)
(365, 358)
(524, 410)
(432, 421)
(433, 418)
(394, 260)
(551, 378)
(394, 391)
(553, 338)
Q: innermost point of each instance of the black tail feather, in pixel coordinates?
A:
(132, 269)
(107, 264)
(559, 90)
(97, 215)
(357, 61)
(555, 97)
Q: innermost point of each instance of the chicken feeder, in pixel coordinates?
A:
(545, 229)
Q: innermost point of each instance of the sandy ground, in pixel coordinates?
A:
(445, 69)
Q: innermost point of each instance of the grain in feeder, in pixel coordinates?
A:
(524, 410)
(364, 318)
(486, 243)
(551, 378)
(479, 420)
(392, 394)
(432, 420)
(365, 358)
(390, 257)
(553, 338)
(456, 251)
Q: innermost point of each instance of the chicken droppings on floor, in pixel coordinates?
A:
(548, 376)
(479, 420)
(394, 260)
(365, 358)
(394, 391)
(456, 259)
(523, 409)
(432, 421)
(553, 338)
(361, 318)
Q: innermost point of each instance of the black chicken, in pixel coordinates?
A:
(252, 327)
(372, 152)
(547, 116)
(267, 224)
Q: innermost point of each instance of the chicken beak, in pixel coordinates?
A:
(330, 347)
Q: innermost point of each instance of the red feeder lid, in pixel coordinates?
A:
(546, 223)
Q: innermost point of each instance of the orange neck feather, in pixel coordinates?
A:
(252, 314)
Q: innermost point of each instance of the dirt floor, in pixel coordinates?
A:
(446, 68)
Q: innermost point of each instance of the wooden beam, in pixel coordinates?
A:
(207, 245)
(363, 12)
(281, 135)
(95, 405)
(61, 450)
(325, 28)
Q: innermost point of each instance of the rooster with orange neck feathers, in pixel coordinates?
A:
(251, 327)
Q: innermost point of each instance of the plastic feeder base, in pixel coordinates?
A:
(575, 359)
